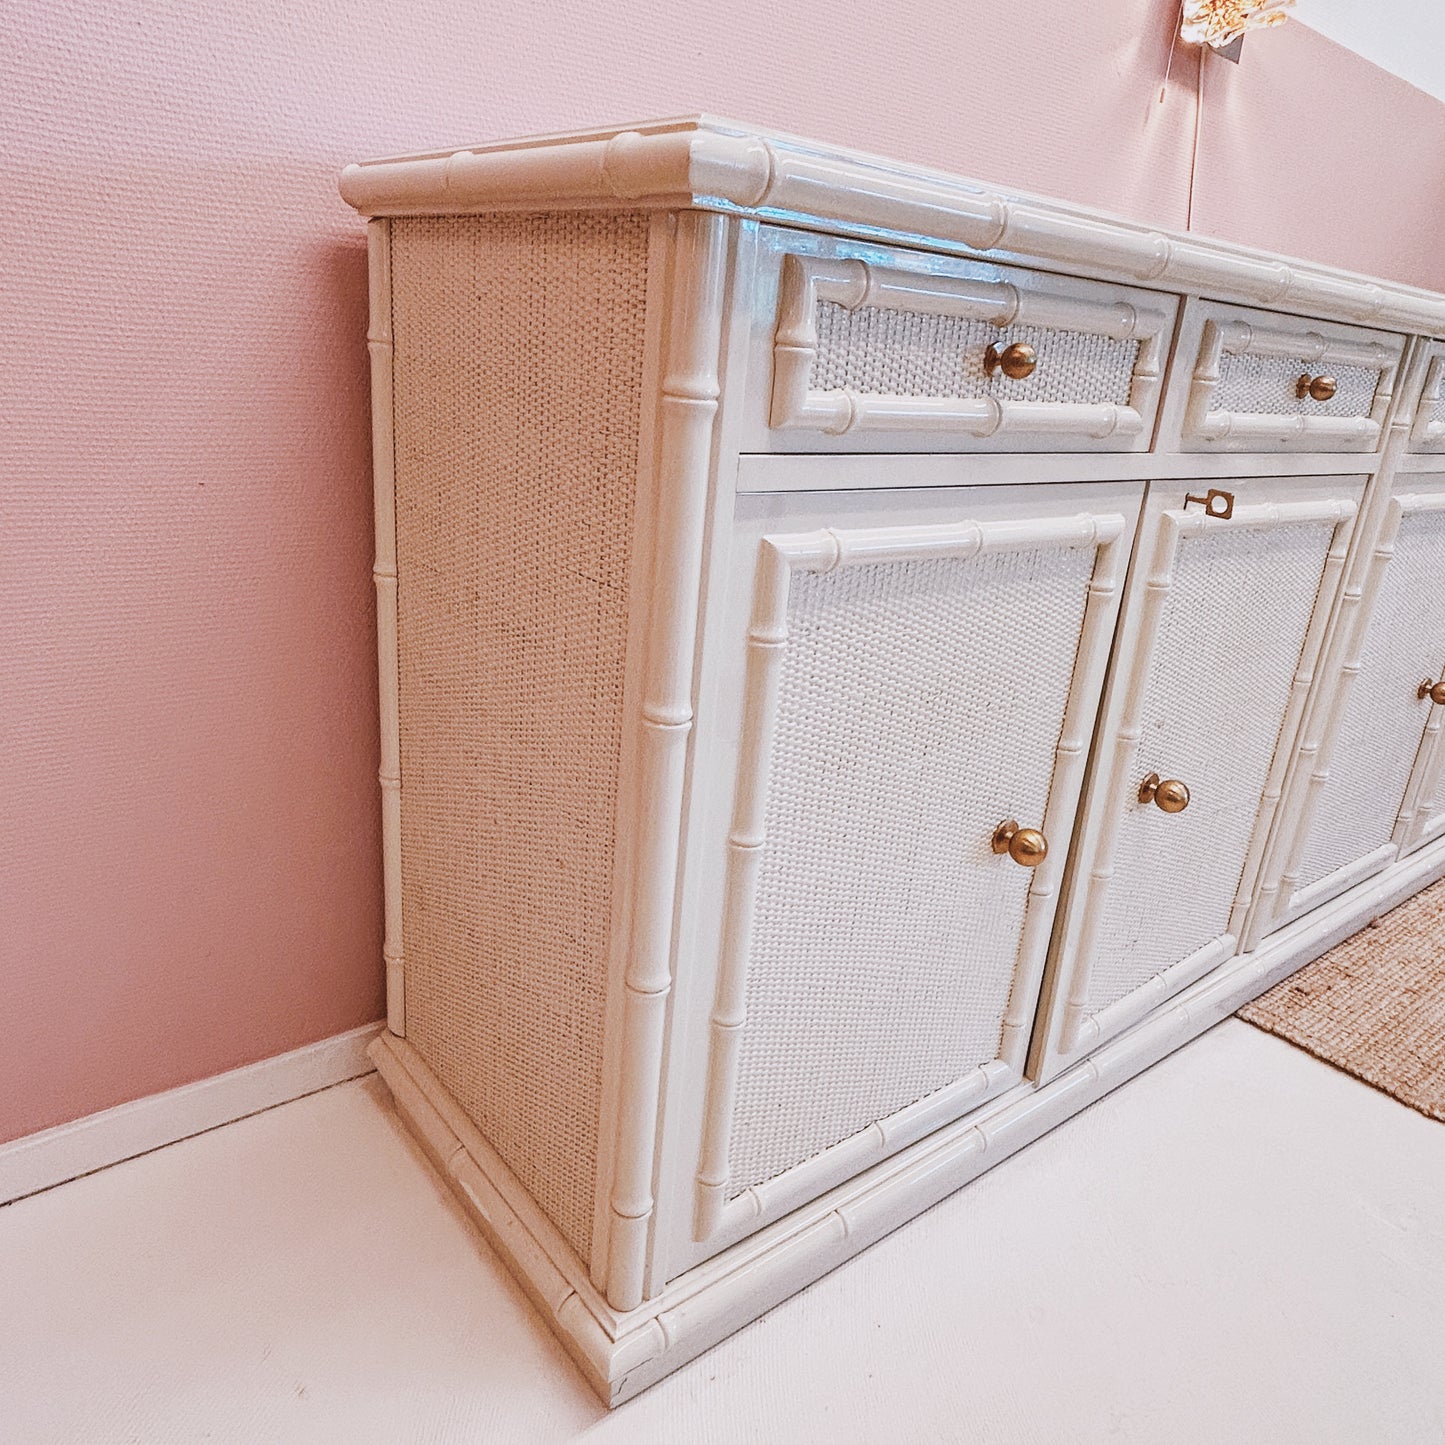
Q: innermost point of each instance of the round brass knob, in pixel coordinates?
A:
(1026, 846)
(1435, 691)
(1320, 388)
(1015, 361)
(1168, 795)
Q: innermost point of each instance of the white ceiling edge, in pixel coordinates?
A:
(1405, 37)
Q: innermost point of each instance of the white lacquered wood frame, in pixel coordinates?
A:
(1013, 299)
(756, 180)
(1070, 1029)
(1281, 897)
(650, 816)
(1428, 434)
(1340, 664)
(824, 551)
(621, 1353)
(1228, 332)
(703, 160)
(1422, 820)
(381, 349)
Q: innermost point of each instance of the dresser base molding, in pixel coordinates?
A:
(622, 1354)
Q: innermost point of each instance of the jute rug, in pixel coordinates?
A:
(1374, 1005)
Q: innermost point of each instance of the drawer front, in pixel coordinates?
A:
(870, 346)
(1356, 780)
(1224, 623)
(1428, 433)
(1265, 382)
(892, 691)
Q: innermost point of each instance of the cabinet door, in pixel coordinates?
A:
(1422, 819)
(1365, 786)
(911, 671)
(1223, 624)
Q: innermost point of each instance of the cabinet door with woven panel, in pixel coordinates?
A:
(1367, 780)
(1223, 626)
(910, 685)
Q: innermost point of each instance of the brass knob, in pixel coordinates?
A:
(1016, 361)
(1168, 795)
(1026, 846)
(1435, 691)
(1321, 388)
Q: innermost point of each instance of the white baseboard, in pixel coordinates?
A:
(39, 1161)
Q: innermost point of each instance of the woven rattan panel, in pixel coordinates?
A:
(1233, 628)
(1267, 386)
(881, 351)
(920, 704)
(1383, 719)
(519, 344)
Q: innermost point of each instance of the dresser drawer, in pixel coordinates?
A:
(1263, 382)
(886, 349)
(1428, 433)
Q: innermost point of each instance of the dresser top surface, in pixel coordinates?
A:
(713, 163)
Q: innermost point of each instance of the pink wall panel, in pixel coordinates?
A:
(188, 843)
(1309, 150)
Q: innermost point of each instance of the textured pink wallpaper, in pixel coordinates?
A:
(188, 839)
(1309, 150)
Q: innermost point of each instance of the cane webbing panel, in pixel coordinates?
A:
(1267, 386)
(519, 344)
(883, 351)
(1383, 718)
(1233, 628)
(920, 704)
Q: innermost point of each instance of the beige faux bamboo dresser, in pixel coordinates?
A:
(869, 662)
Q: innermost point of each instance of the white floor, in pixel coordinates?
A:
(1240, 1246)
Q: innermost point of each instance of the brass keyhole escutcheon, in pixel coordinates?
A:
(1215, 503)
(1318, 388)
(1016, 361)
(1026, 846)
(1169, 795)
(1435, 691)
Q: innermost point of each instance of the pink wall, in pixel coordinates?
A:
(188, 841)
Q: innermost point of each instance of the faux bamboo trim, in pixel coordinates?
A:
(701, 160)
(660, 253)
(1080, 1029)
(1421, 798)
(379, 345)
(688, 408)
(1429, 435)
(1317, 753)
(1337, 882)
(1422, 819)
(1317, 756)
(851, 283)
(1235, 337)
(622, 1355)
(821, 552)
(1311, 658)
(1370, 550)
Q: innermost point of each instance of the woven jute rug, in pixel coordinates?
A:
(1374, 1005)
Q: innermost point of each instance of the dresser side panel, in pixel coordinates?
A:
(518, 373)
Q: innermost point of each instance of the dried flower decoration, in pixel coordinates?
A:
(1221, 22)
